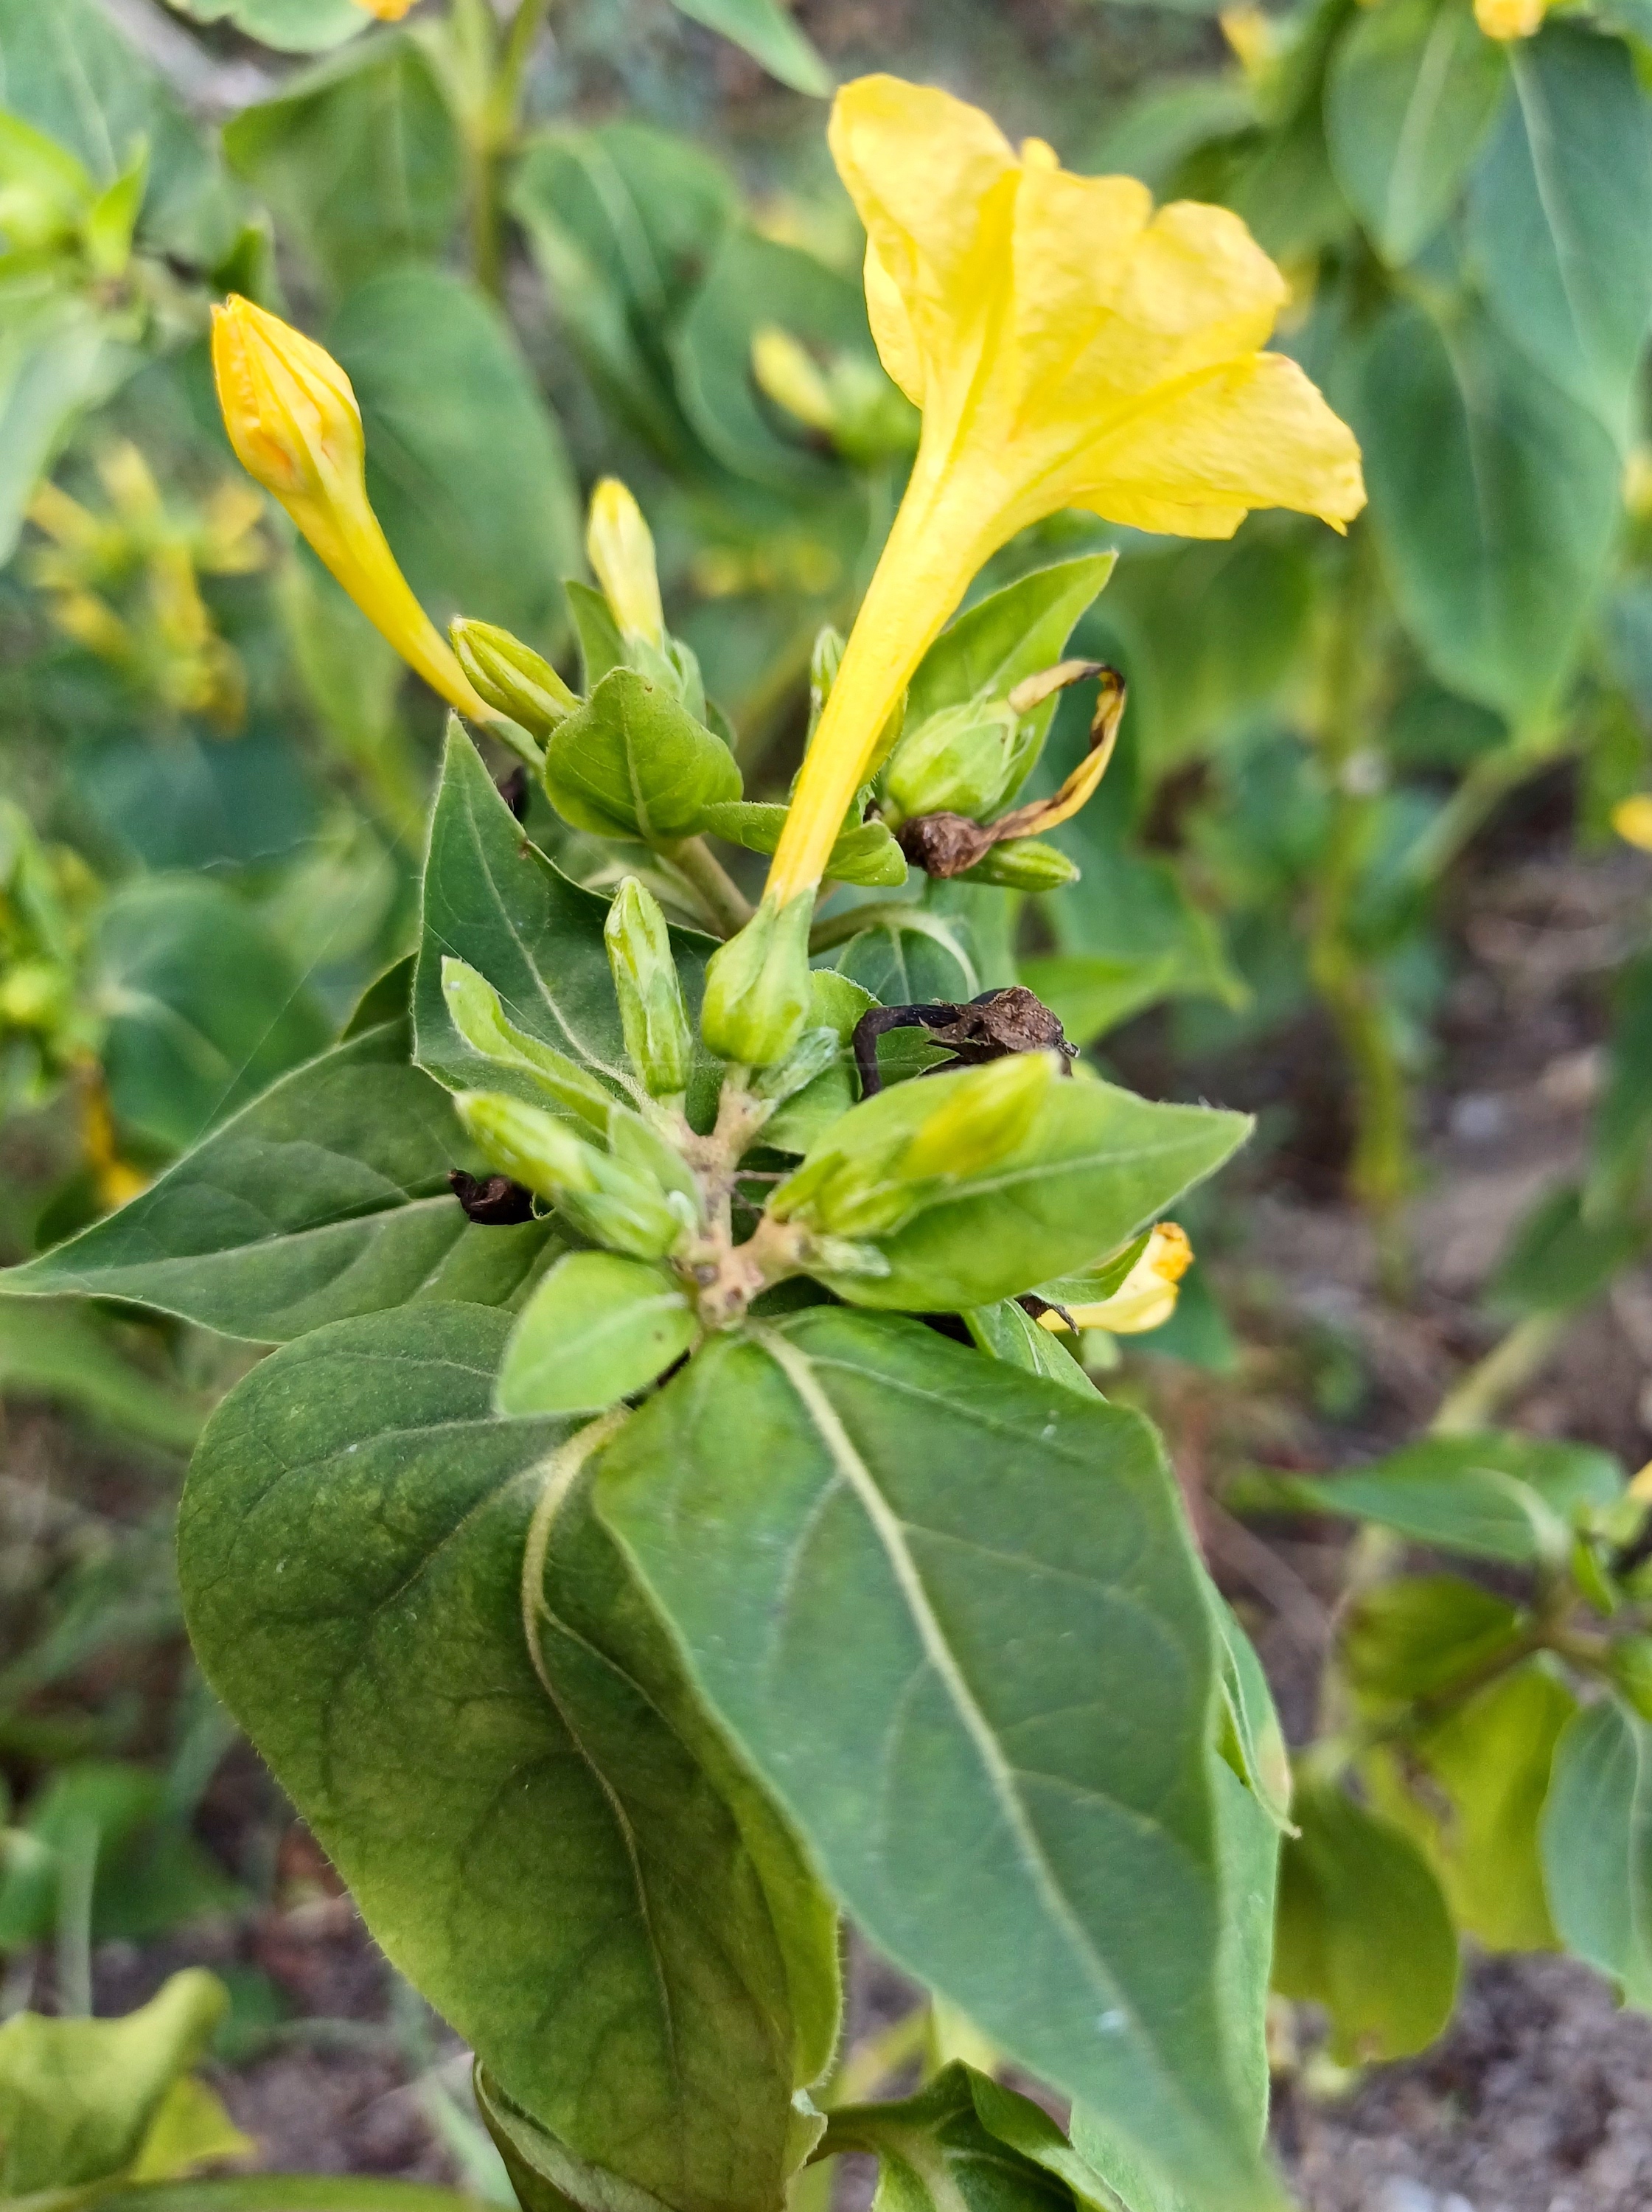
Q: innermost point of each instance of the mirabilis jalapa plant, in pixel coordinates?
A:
(687, 1531)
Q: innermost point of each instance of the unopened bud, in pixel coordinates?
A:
(986, 1115)
(292, 418)
(655, 1020)
(621, 547)
(477, 1013)
(1147, 1297)
(512, 676)
(957, 762)
(787, 373)
(1024, 864)
(610, 1201)
(757, 985)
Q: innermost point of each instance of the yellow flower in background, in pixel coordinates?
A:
(1632, 819)
(1511, 19)
(296, 429)
(1068, 348)
(387, 11)
(1147, 1297)
(621, 548)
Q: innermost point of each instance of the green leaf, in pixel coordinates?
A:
(494, 901)
(633, 762)
(764, 29)
(1096, 1165)
(1560, 216)
(64, 1353)
(1564, 1253)
(898, 1571)
(601, 648)
(58, 358)
(911, 957)
(67, 70)
(292, 27)
(1597, 1844)
(204, 1009)
(325, 1197)
(864, 854)
(1622, 1135)
(359, 160)
(624, 221)
(78, 2096)
(466, 465)
(1411, 94)
(541, 1831)
(1348, 1884)
(1257, 1750)
(1497, 1495)
(1495, 500)
(1008, 1331)
(1470, 1790)
(597, 1329)
(191, 2129)
(936, 2153)
(1415, 1636)
(1090, 994)
(754, 282)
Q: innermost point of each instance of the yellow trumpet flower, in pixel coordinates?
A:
(1068, 348)
(296, 429)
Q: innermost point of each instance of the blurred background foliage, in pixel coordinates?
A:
(604, 235)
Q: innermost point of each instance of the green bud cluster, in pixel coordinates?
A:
(895, 1153)
(610, 1199)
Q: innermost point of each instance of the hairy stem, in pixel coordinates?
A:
(724, 903)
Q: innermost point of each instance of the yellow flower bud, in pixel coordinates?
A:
(1511, 19)
(296, 429)
(621, 550)
(387, 11)
(787, 373)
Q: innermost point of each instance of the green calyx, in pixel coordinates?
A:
(757, 985)
(616, 1202)
(512, 676)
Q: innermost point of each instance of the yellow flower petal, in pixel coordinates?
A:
(293, 420)
(1632, 819)
(1511, 19)
(1069, 348)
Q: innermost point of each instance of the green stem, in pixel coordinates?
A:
(725, 904)
(839, 928)
(1475, 1401)
(1486, 783)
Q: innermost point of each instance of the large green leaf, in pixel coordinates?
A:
(1560, 216)
(1494, 497)
(1349, 1883)
(1497, 1496)
(65, 1353)
(624, 221)
(326, 1197)
(899, 1572)
(1096, 1165)
(359, 159)
(764, 29)
(204, 1009)
(78, 2096)
(1597, 1844)
(466, 465)
(1470, 1790)
(754, 281)
(297, 27)
(494, 901)
(1412, 93)
(633, 760)
(540, 1828)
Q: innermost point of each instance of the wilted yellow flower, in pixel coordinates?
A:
(1632, 819)
(1068, 348)
(1147, 1297)
(296, 429)
(1511, 19)
(621, 547)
